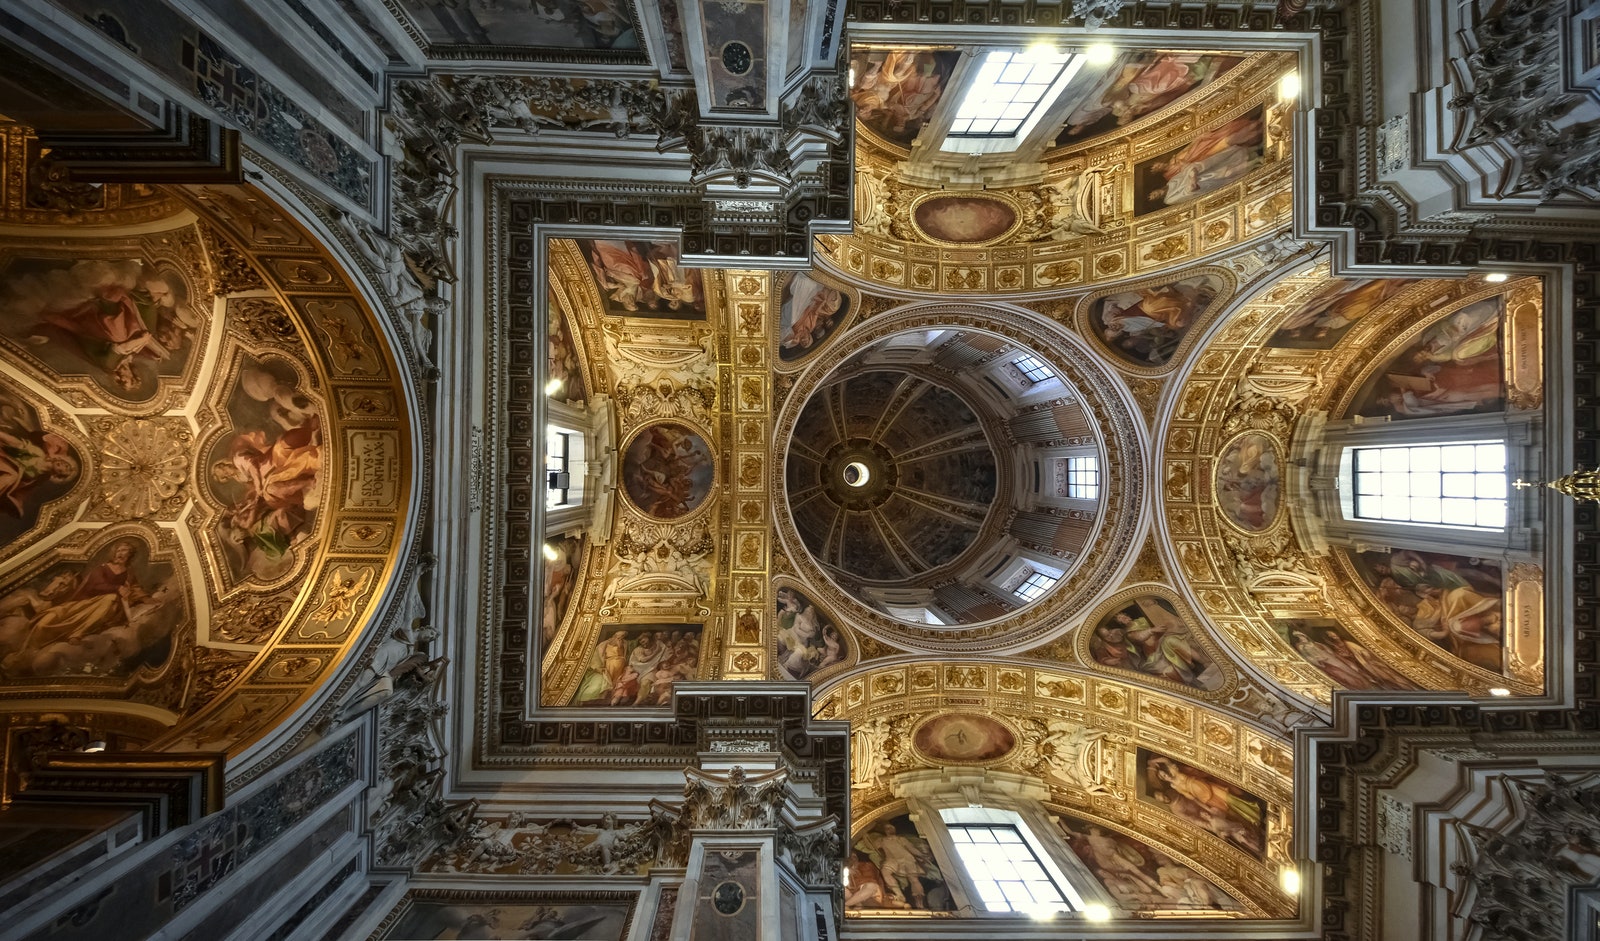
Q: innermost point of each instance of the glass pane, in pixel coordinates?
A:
(1491, 457)
(1492, 513)
(1367, 483)
(1395, 459)
(1395, 508)
(1396, 485)
(1458, 457)
(1492, 486)
(1459, 512)
(1425, 509)
(1425, 460)
(1458, 485)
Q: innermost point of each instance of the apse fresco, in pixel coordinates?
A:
(644, 279)
(506, 917)
(808, 639)
(1144, 326)
(667, 470)
(635, 665)
(264, 470)
(169, 497)
(1204, 800)
(1324, 320)
(1325, 644)
(124, 319)
(117, 612)
(964, 738)
(1140, 878)
(1453, 368)
(561, 564)
(37, 464)
(1139, 84)
(548, 24)
(1456, 601)
(565, 366)
(1214, 159)
(1247, 481)
(809, 312)
(1147, 635)
(896, 90)
(892, 866)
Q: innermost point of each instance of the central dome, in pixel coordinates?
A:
(891, 476)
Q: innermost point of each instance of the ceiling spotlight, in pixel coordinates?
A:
(1100, 53)
(552, 387)
(852, 76)
(1094, 911)
(1290, 880)
(550, 553)
(1499, 691)
(1289, 86)
(1496, 277)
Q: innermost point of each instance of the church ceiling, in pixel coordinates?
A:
(204, 464)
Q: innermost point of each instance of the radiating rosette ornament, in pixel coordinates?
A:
(142, 466)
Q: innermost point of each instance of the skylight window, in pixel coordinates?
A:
(1007, 92)
(1005, 870)
(1449, 485)
(1083, 478)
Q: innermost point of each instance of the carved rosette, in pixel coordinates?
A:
(143, 468)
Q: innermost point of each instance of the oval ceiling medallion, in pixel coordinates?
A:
(963, 738)
(667, 470)
(964, 218)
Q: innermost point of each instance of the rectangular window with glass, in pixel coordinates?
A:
(1005, 869)
(1083, 478)
(1032, 369)
(1035, 585)
(558, 468)
(1007, 88)
(1438, 484)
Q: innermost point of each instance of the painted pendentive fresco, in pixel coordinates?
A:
(531, 917)
(644, 279)
(809, 313)
(120, 611)
(892, 866)
(1324, 320)
(126, 323)
(265, 469)
(1247, 481)
(964, 738)
(1149, 636)
(808, 640)
(549, 24)
(1138, 84)
(37, 464)
(1325, 644)
(1200, 798)
(1144, 326)
(1214, 159)
(667, 470)
(964, 219)
(565, 365)
(561, 565)
(896, 90)
(636, 664)
(1453, 368)
(1455, 601)
(1140, 878)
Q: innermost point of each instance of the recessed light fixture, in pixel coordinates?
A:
(1289, 86)
(552, 387)
(1499, 691)
(1094, 911)
(1101, 53)
(1290, 880)
(1496, 277)
(550, 554)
